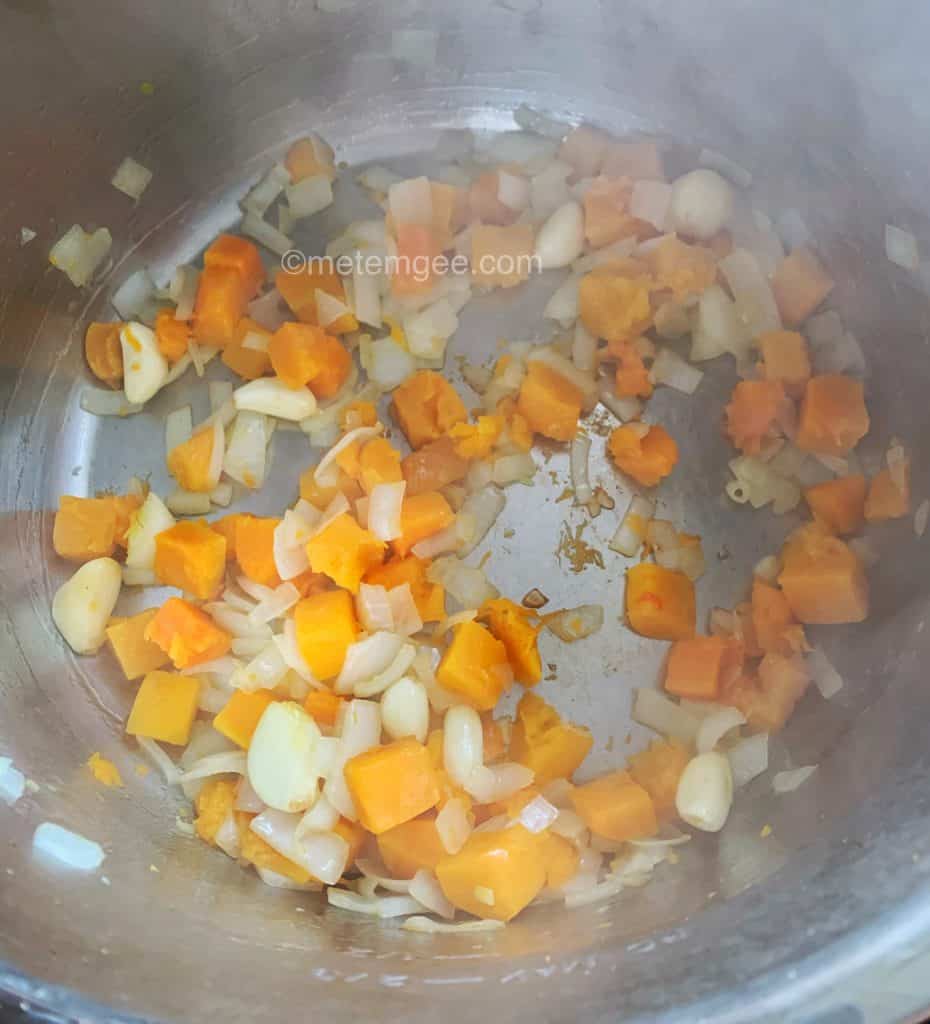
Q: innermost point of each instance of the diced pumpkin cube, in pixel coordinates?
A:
(888, 497)
(550, 404)
(800, 285)
(165, 707)
(426, 406)
(323, 706)
(768, 699)
(838, 505)
(326, 625)
(434, 466)
(560, 857)
(391, 784)
(344, 552)
(646, 453)
(358, 414)
(240, 255)
(188, 635)
(191, 557)
(319, 496)
(411, 847)
(104, 353)
(85, 528)
(335, 364)
(477, 440)
(833, 418)
(785, 358)
(254, 850)
(222, 297)
(248, 362)
(418, 249)
(495, 874)
(378, 463)
(298, 288)
(137, 656)
(660, 602)
(631, 377)
(696, 665)
(753, 409)
(421, 516)
(657, 769)
(684, 270)
(430, 598)
(226, 527)
(510, 624)
(502, 257)
(239, 719)
(613, 304)
(172, 335)
(607, 216)
(484, 203)
(308, 158)
(616, 807)
(822, 578)
(293, 353)
(773, 623)
(255, 549)
(551, 747)
(214, 804)
(190, 462)
(475, 666)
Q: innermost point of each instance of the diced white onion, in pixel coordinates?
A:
(584, 382)
(144, 367)
(921, 517)
(411, 202)
(752, 293)
(374, 608)
(183, 291)
(440, 543)
(286, 643)
(584, 349)
(718, 328)
(563, 303)
(674, 372)
(715, 726)
(282, 598)
(382, 907)
(428, 926)
(901, 248)
(626, 408)
(79, 253)
(475, 518)
(453, 825)
(425, 889)
(360, 730)
(405, 710)
(656, 711)
(272, 397)
(824, 675)
(178, 427)
(245, 458)
(384, 510)
(229, 762)
(513, 190)
(428, 331)
(388, 364)
(260, 198)
(377, 684)
(488, 783)
(578, 463)
(131, 178)
(404, 612)
(104, 402)
(309, 195)
(160, 759)
(538, 815)
(144, 524)
(366, 659)
(749, 758)
(265, 234)
(67, 847)
(326, 473)
(134, 298)
(513, 469)
(787, 782)
(12, 782)
(468, 585)
(573, 624)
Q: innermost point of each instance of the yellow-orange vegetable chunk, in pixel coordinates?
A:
(549, 402)
(833, 418)
(190, 462)
(822, 578)
(421, 516)
(889, 495)
(475, 666)
(326, 625)
(839, 505)
(411, 847)
(613, 304)
(511, 625)
(239, 719)
(430, 598)
(695, 666)
(188, 635)
(249, 363)
(785, 358)
(378, 463)
(344, 552)
(646, 453)
(391, 784)
(255, 549)
(800, 285)
(501, 257)
(616, 807)
(658, 769)
(85, 528)
(435, 465)
(165, 707)
(551, 747)
(137, 656)
(191, 557)
(323, 706)
(660, 602)
(104, 352)
(240, 255)
(426, 407)
(753, 410)
(222, 297)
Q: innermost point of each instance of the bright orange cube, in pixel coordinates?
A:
(475, 666)
(391, 784)
(165, 708)
(616, 807)
(326, 625)
(240, 717)
(660, 602)
(191, 557)
(344, 552)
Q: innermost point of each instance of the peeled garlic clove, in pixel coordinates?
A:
(274, 398)
(701, 204)
(462, 743)
(284, 759)
(82, 607)
(405, 710)
(145, 369)
(705, 792)
(145, 524)
(561, 238)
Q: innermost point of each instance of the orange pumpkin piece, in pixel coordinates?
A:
(421, 516)
(378, 463)
(418, 250)
(191, 557)
(483, 201)
(435, 465)
(426, 407)
(292, 353)
(190, 462)
(344, 552)
(646, 453)
(800, 285)
(222, 297)
(684, 270)
(226, 527)
(785, 358)
(125, 506)
(768, 699)
(136, 655)
(561, 858)
(320, 496)
(188, 635)
(544, 742)
(822, 578)
(239, 719)
(254, 850)
(391, 784)
(495, 874)
(752, 412)
(248, 362)
(607, 216)
(85, 528)
(833, 418)
(357, 414)
(255, 549)
(502, 257)
(838, 505)
(323, 707)
(241, 255)
(335, 364)
(411, 847)
(773, 623)
(298, 288)
(613, 304)
(172, 335)
(165, 708)
(697, 664)
(104, 353)
(477, 440)
(308, 158)
(430, 598)
(889, 494)
(550, 403)
(326, 625)
(660, 602)
(658, 769)
(631, 378)
(475, 666)
(511, 625)
(616, 807)
(213, 805)
(516, 431)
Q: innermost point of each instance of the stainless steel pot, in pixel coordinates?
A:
(825, 103)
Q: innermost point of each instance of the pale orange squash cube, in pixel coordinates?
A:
(391, 784)
(137, 655)
(475, 666)
(191, 557)
(616, 807)
(165, 708)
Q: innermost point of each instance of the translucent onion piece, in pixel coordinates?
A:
(787, 782)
